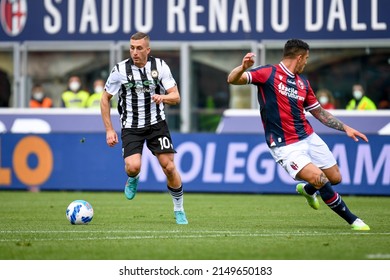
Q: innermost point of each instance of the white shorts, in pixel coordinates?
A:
(295, 156)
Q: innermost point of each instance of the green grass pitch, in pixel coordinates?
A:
(221, 227)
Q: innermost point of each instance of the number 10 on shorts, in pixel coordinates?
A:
(165, 143)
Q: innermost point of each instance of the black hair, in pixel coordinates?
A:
(295, 47)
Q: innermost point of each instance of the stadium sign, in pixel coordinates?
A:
(194, 19)
(211, 163)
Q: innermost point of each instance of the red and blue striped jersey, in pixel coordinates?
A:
(283, 98)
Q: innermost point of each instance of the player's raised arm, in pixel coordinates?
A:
(237, 76)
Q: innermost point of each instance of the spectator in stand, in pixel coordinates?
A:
(94, 98)
(384, 102)
(39, 99)
(326, 99)
(5, 89)
(360, 101)
(75, 96)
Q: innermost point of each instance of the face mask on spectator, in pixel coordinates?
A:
(323, 100)
(357, 94)
(74, 86)
(38, 96)
(99, 89)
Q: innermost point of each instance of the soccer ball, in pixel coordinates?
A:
(79, 212)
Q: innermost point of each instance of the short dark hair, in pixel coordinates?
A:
(295, 47)
(139, 36)
(37, 86)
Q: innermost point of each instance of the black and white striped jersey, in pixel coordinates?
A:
(135, 86)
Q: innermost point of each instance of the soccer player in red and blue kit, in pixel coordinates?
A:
(284, 96)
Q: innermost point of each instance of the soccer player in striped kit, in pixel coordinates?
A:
(284, 96)
(143, 84)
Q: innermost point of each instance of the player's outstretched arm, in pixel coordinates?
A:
(331, 121)
(354, 134)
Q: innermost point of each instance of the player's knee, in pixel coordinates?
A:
(169, 168)
(132, 170)
(334, 177)
(335, 180)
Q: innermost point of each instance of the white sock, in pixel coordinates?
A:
(177, 198)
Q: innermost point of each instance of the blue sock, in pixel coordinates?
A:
(309, 189)
(335, 202)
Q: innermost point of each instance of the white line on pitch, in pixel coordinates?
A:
(183, 235)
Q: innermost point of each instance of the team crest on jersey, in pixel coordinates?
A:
(130, 77)
(154, 74)
(13, 16)
(300, 84)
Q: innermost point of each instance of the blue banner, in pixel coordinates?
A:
(207, 163)
(193, 19)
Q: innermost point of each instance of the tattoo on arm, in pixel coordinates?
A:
(327, 119)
